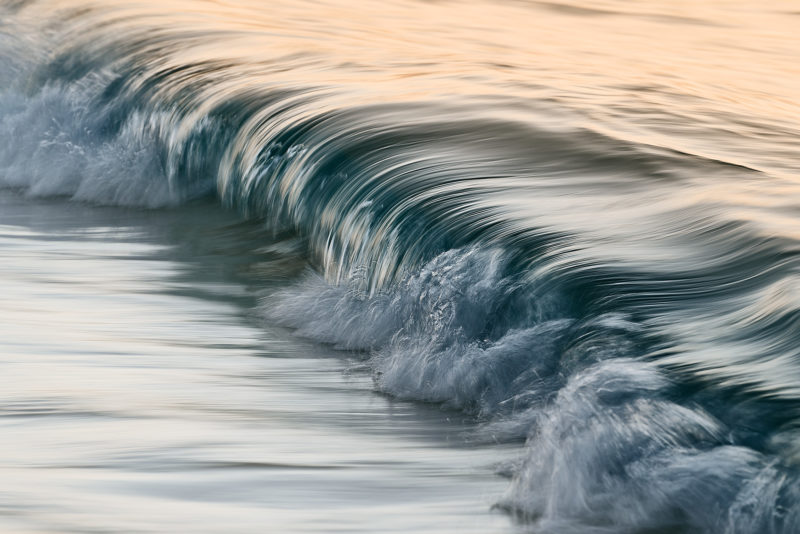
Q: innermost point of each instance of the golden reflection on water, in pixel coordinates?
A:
(679, 74)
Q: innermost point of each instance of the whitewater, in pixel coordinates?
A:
(462, 266)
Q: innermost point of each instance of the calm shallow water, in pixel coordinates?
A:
(142, 394)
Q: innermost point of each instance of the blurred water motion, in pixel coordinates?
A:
(569, 225)
(140, 396)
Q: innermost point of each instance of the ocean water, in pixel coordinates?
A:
(459, 266)
(141, 394)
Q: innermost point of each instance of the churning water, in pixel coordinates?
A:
(572, 230)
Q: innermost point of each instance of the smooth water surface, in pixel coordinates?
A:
(141, 394)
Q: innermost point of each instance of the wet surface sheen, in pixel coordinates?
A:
(141, 395)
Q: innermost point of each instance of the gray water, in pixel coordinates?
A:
(142, 394)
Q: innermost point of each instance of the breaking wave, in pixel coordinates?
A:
(574, 289)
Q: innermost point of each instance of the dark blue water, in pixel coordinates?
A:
(574, 226)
